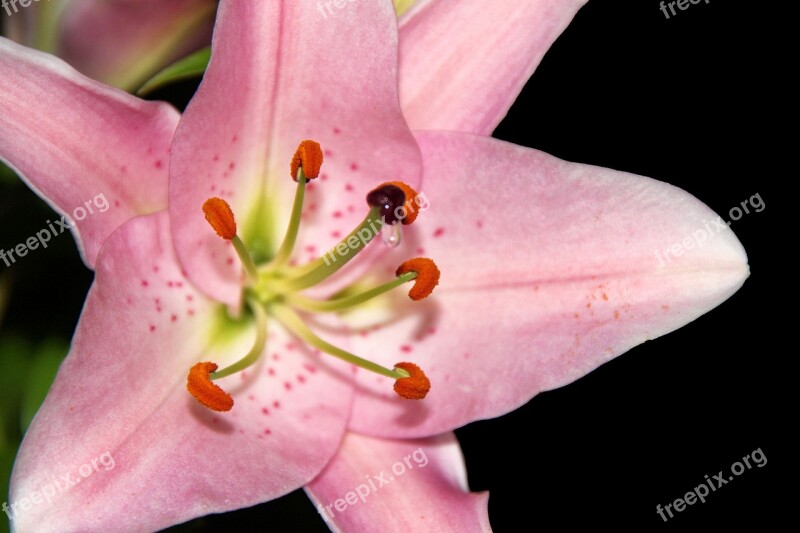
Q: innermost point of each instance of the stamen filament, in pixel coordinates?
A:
(336, 257)
(339, 304)
(292, 322)
(246, 259)
(258, 346)
(290, 239)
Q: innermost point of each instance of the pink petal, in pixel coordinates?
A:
(282, 72)
(463, 62)
(549, 269)
(95, 154)
(124, 42)
(399, 485)
(122, 390)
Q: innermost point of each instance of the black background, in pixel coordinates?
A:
(693, 101)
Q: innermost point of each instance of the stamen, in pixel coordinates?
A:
(346, 302)
(220, 216)
(308, 157)
(415, 386)
(427, 276)
(199, 385)
(305, 165)
(292, 322)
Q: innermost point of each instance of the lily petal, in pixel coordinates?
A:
(464, 62)
(282, 72)
(76, 142)
(122, 390)
(549, 269)
(399, 485)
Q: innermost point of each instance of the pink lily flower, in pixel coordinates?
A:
(563, 299)
(119, 42)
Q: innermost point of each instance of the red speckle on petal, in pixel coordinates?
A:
(287, 385)
(152, 328)
(328, 153)
(144, 283)
(232, 165)
(267, 432)
(265, 411)
(337, 131)
(405, 348)
(438, 232)
(159, 163)
(276, 404)
(349, 187)
(310, 368)
(479, 223)
(337, 214)
(174, 318)
(301, 378)
(216, 157)
(271, 371)
(353, 166)
(336, 234)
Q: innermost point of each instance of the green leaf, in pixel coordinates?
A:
(14, 360)
(41, 373)
(7, 175)
(191, 66)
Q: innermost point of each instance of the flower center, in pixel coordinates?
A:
(275, 289)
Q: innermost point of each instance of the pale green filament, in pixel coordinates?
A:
(340, 304)
(290, 239)
(293, 323)
(246, 259)
(258, 346)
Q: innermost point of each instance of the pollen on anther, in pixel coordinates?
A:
(427, 276)
(207, 393)
(308, 157)
(415, 386)
(219, 215)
